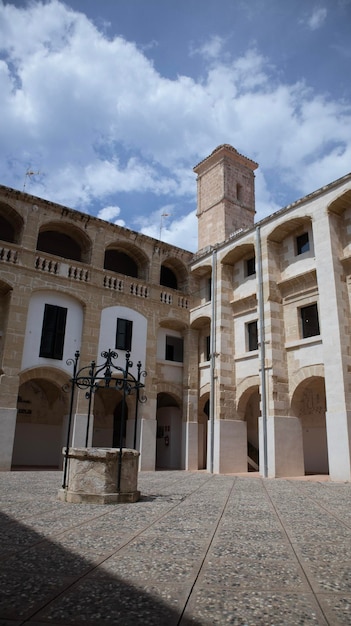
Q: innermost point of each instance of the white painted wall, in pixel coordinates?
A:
(107, 339)
(74, 325)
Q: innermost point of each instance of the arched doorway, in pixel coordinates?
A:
(309, 405)
(249, 410)
(202, 432)
(169, 432)
(41, 425)
(108, 404)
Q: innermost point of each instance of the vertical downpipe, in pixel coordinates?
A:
(213, 354)
(262, 350)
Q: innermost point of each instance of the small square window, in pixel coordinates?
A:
(302, 243)
(174, 349)
(252, 336)
(309, 321)
(250, 266)
(124, 334)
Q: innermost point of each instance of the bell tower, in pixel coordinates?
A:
(225, 195)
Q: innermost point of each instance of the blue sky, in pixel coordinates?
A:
(113, 102)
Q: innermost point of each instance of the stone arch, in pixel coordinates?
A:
(11, 224)
(203, 325)
(126, 258)
(238, 252)
(203, 416)
(174, 274)
(308, 404)
(5, 299)
(42, 416)
(339, 211)
(286, 228)
(303, 374)
(107, 410)
(248, 409)
(65, 240)
(169, 431)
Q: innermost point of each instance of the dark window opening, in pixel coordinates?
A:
(7, 231)
(302, 243)
(168, 278)
(251, 266)
(309, 321)
(174, 349)
(209, 290)
(120, 262)
(124, 334)
(239, 192)
(252, 336)
(53, 332)
(59, 244)
(208, 348)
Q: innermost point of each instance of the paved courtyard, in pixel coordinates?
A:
(196, 550)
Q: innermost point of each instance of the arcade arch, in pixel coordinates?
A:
(169, 431)
(42, 413)
(309, 405)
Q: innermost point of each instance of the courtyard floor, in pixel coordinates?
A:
(196, 549)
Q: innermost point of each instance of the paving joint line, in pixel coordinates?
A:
(77, 580)
(207, 551)
(291, 544)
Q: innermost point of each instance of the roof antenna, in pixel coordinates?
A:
(28, 174)
(161, 223)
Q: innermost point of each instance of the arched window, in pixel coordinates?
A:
(168, 278)
(120, 262)
(60, 244)
(7, 230)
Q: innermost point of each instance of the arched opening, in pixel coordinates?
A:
(7, 230)
(11, 224)
(252, 413)
(249, 410)
(42, 411)
(168, 278)
(202, 432)
(169, 432)
(309, 405)
(59, 244)
(121, 263)
(108, 406)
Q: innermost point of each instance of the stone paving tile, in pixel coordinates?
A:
(253, 608)
(111, 601)
(230, 550)
(270, 574)
(337, 608)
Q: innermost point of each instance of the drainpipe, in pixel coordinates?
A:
(213, 354)
(262, 349)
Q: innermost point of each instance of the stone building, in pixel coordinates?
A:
(246, 343)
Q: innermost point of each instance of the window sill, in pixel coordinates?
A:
(253, 354)
(301, 343)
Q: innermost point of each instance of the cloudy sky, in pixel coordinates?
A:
(108, 105)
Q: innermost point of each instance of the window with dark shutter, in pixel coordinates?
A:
(53, 332)
(309, 321)
(124, 334)
(252, 336)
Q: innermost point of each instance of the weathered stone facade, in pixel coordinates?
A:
(246, 343)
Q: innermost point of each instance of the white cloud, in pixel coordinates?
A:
(96, 118)
(317, 18)
(109, 214)
(211, 49)
(164, 224)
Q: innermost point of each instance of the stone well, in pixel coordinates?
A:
(92, 476)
